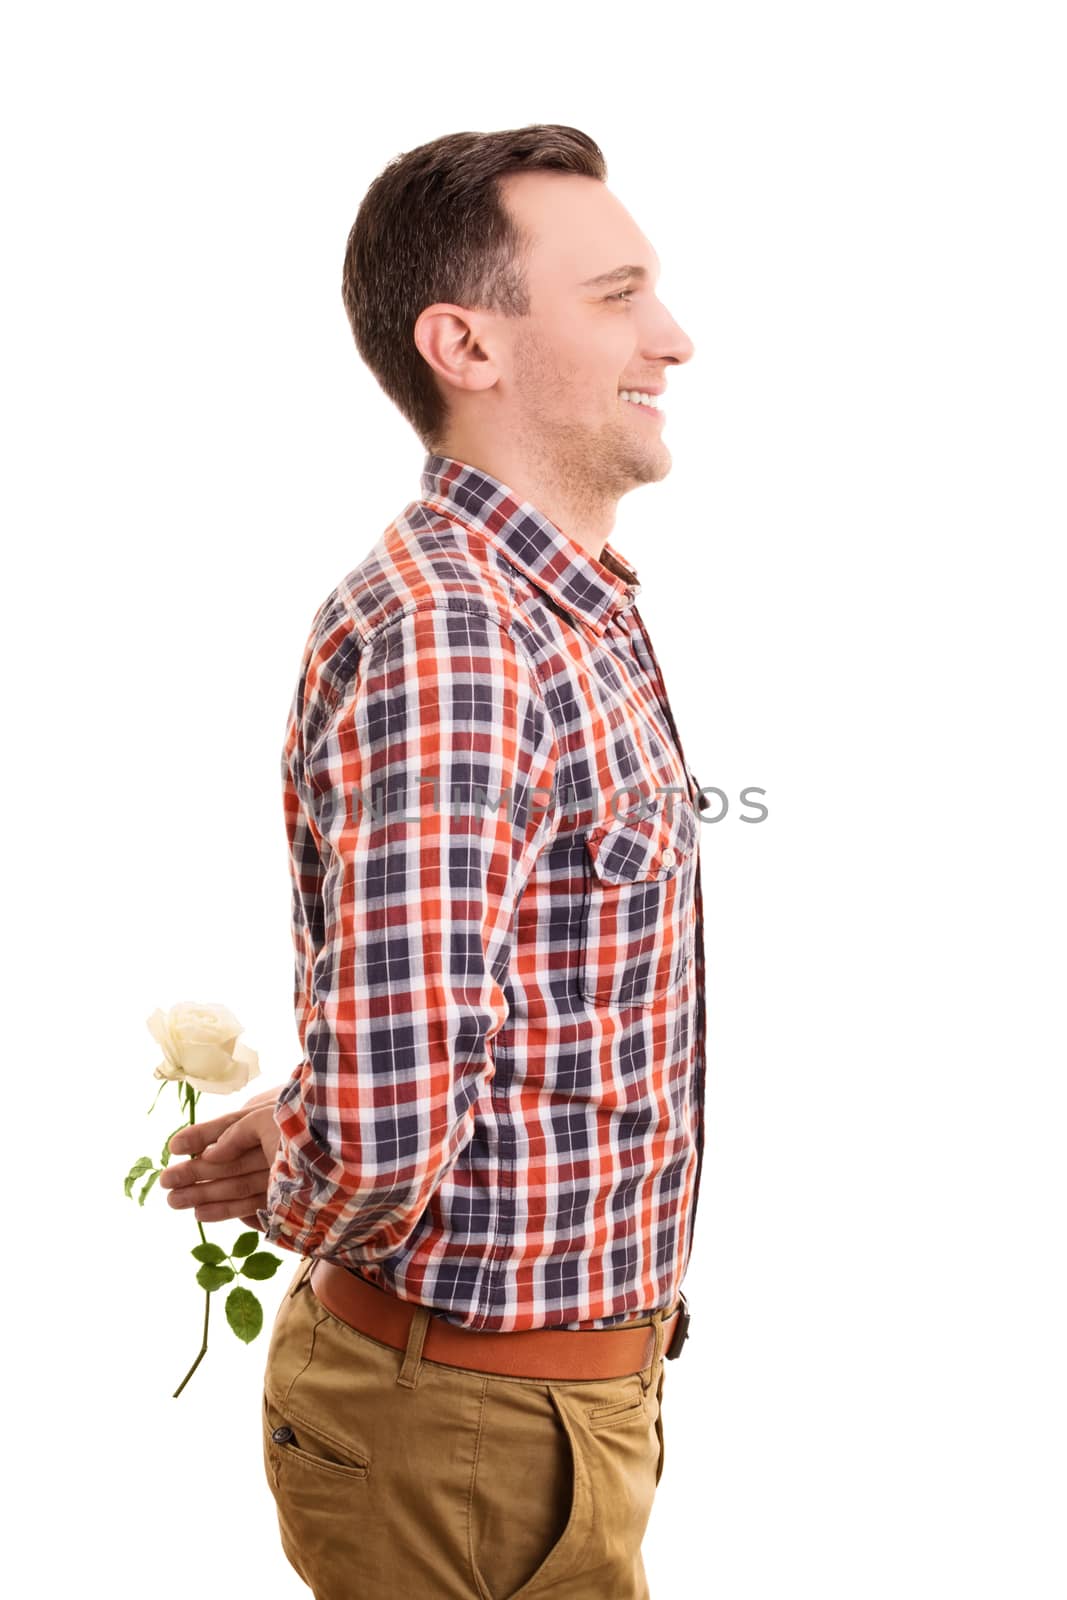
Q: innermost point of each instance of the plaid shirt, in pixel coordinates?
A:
(498, 929)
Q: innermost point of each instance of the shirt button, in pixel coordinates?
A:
(282, 1435)
(667, 857)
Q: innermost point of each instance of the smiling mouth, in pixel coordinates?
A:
(654, 412)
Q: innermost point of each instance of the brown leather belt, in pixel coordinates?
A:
(531, 1353)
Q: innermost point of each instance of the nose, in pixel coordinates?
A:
(682, 345)
(670, 342)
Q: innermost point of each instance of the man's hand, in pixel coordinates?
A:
(230, 1179)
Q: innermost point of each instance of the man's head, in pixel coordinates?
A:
(467, 285)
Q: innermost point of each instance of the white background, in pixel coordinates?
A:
(853, 579)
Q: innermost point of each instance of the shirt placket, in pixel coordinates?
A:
(642, 646)
(647, 680)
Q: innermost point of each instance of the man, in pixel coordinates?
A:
(489, 1155)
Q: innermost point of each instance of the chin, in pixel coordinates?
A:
(651, 466)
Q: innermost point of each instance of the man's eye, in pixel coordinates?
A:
(621, 294)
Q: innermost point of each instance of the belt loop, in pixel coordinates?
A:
(657, 1347)
(303, 1272)
(409, 1371)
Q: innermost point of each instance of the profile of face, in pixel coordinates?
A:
(547, 388)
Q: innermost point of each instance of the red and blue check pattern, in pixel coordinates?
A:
(497, 925)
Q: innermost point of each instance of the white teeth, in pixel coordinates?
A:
(637, 398)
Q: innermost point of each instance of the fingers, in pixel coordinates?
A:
(207, 1168)
(190, 1141)
(227, 1166)
(252, 1222)
(266, 1097)
(213, 1202)
(223, 1140)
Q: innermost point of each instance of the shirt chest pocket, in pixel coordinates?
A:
(638, 911)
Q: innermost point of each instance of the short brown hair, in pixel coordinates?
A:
(433, 226)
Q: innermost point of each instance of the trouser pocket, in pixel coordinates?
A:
(524, 1504)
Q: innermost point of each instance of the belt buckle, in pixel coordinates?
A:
(682, 1331)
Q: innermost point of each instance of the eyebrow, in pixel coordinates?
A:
(616, 275)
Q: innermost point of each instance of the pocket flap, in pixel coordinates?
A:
(646, 848)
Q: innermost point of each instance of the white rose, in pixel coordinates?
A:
(200, 1045)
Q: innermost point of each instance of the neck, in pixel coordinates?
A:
(569, 499)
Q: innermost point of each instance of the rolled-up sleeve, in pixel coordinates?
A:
(417, 805)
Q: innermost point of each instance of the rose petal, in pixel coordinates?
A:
(157, 1026)
(201, 1022)
(209, 1061)
(250, 1058)
(213, 1085)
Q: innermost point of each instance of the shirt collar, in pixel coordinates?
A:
(590, 589)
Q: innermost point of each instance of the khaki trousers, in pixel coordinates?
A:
(399, 1478)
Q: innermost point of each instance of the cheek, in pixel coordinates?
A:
(596, 354)
(579, 371)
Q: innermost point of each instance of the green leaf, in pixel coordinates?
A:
(135, 1171)
(245, 1244)
(148, 1185)
(244, 1314)
(165, 1157)
(211, 1253)
(159, 1091)
(261, 1265)
(212, 1277)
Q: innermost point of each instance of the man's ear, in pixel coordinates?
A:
(457, 345)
